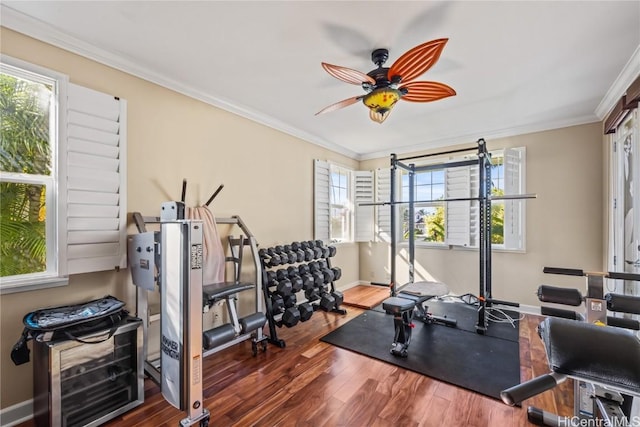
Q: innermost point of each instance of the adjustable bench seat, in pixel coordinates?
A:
(603, 355)
(422, 291)
(218, 291)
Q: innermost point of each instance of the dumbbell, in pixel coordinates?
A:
(306, 311)
(271, 277)
(282, 274)
(318, 278)
(290, 300)
(337, 273)
(312, 294)
(297, 248)
(277, 303)
(292, 270)
(283, 287)
(274, 258)
(290, 317)
(313, 266)
(327, 301)
(307, 281)
(293, 255)
(327, 274)
(296, 283)
(332, 251)
(339, 297)
(303, 269)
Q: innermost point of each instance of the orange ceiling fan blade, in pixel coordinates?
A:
(426, 91)
(417, 60)
(347, 74)
(339, 105)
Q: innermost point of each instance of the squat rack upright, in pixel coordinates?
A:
(484, 198)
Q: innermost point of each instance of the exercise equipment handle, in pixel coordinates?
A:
(624, 276)
(213, 196)
(516, 394)
(564, 271)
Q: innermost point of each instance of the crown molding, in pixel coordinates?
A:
(487, 135)
(18, 21)
(628, 74)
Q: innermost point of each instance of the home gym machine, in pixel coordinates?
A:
(163, 258)
(593, 399)
(413, 295)
(180, 271)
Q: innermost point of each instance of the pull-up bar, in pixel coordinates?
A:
(441, 153)
(456, 199)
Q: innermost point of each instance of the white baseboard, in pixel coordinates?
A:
(16, 414)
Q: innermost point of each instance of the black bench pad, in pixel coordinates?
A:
(397, 305)
(601, 354)
(217, 291)
(422, 291)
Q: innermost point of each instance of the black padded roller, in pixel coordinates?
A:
(623, 303)
(516, 394)
(217, 336)
(252, 322)
(566, 296)
(558, 312)
(620, 322)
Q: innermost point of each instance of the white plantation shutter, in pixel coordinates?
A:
(322, 214)
(474, 207)
(458, 213)
(513, 209)
(383, 213)
(363, 193)
(96, 181)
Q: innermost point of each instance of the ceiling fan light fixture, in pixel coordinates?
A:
(384, 87)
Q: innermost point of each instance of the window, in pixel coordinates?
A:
(456, 223)
(28, 182)
(334, 210)
(429, 218)
(62, 178)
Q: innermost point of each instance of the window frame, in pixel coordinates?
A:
(499, 247)
(55, 274)
(349, 205)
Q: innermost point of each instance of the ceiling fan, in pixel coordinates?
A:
(384, 86)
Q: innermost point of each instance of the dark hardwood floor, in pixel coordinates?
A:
(311, 383)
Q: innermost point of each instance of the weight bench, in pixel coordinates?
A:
(605, 357)
(222, 334)
(413, 296)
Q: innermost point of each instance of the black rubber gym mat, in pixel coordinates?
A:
(481, 363)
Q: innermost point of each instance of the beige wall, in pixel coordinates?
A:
(564, 225)
(268, 179)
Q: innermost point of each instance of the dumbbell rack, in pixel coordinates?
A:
(310, 271)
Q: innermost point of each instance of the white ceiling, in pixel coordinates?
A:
(517, 67)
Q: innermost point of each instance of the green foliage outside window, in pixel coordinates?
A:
(24, 149)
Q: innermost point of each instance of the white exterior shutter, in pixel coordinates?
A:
(322, 214)
(458, 185)
(474, 207)
(513, 209)
(363, 193)
(96, 181)
(383, 212)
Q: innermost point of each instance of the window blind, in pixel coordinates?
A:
(322, 215)
(383, 212)
(364, 215)
(95, 181)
